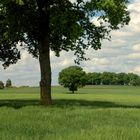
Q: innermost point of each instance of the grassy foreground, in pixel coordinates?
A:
(93, 113)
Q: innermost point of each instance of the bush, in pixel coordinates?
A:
(8, 83)
(1, 85)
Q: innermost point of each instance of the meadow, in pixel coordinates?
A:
(92, 113)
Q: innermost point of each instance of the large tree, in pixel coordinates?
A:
(44, 25)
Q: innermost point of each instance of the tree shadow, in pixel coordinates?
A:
(64, 103)
(17, 104)
(93, 104)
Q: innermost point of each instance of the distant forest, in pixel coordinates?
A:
(111, 78)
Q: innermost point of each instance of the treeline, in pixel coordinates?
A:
(111, 78)
(8, 84)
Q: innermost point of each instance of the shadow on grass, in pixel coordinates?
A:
(92, 104)
(17, 104)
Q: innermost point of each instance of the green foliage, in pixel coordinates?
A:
(134, 79)
(20, 2)
(106, 77)
(93, 78)
(8, 83)
(72, 77)
(1, 85)
(29, 22)
(110, 78)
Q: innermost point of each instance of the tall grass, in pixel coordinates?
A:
(93, 113)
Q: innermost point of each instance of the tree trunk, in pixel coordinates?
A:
(45, 68)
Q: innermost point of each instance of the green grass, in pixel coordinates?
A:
(93, 113)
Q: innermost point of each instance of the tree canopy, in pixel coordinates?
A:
(69, 25)
(72, 77)
(111, 78)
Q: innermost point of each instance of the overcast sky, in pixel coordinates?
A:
(122, 54)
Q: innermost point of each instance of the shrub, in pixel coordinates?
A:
(1, 85)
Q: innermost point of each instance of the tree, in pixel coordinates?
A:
(113, 78)
(8, 83)
(106, 78)
(135, 82)
(44, 25)
(1, 85)
(134, 79)
(72, 77)
(126, 79)
(121, 78)
(93, 78)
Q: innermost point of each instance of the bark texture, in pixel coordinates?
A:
(45, 68)
(44, 54)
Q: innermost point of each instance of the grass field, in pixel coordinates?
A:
(93, 113)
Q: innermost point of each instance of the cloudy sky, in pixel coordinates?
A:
(122, 54)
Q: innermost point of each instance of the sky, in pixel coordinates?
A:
(121, 54)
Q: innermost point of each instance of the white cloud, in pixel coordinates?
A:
(96, 21)
(134, 8)
(136, 47)
(134, 56)
(120, 33)
(99, 61)
(118, 42)
(136, 70)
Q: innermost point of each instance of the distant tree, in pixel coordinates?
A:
(135, 82)
(134, 79)
(126, 79)
(113, 78)
(72, 77)
(8, 83)
(93, 78)
(106, 78)
(121, 80)
(1, 85)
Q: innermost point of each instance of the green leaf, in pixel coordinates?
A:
(20, 2)
(5, 35)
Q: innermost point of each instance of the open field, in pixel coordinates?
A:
(93, 113)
